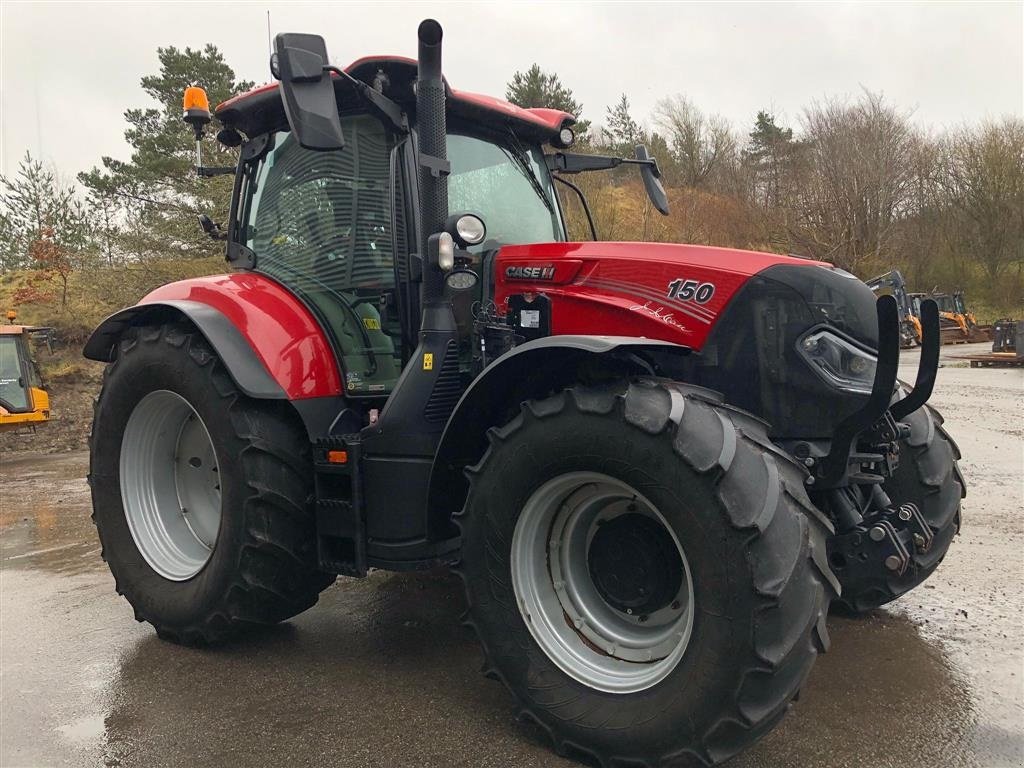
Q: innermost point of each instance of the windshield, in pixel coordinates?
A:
(508, 185)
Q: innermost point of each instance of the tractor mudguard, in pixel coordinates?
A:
(231, 347)
(269, 341)
(530, 370)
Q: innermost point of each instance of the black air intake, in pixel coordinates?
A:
(430, 119)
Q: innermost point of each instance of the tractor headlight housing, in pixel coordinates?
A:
(839, 363)
(445, 252)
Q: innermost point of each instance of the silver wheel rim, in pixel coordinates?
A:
(170, 485)
(590, 639)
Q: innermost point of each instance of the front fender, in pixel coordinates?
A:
(269, 341)
(529, 371)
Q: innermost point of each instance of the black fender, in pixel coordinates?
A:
(238, 356)
(531, 370)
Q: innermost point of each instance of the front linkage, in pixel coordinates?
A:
(872, 529)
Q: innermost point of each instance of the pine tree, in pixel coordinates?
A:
(623, 131)
(35, 209)
(537, 88)
(156, 193)
(769, 154)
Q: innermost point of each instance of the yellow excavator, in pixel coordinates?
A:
(24, 402)
(893, 284)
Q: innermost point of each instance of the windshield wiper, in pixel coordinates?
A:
(518, 154)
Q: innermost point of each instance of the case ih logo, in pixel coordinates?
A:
(530, 273)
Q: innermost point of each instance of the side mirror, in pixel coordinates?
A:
(307, 91)
(652, 180)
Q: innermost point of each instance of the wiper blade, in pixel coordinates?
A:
(518, 154)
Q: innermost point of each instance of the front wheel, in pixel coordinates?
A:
(645, 573)
(929, 477)
(200, 495)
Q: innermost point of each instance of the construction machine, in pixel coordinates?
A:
(654, 466)
(24, 402)
(958, 326)
(893, 284)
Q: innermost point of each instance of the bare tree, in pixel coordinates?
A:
(858, 179)
(985, 181)
(701, 144)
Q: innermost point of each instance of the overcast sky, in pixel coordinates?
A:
(69, 70)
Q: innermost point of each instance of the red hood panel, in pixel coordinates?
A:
(654, 290)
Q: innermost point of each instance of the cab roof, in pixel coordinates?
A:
(260, 110)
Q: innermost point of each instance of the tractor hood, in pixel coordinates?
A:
(672, 292)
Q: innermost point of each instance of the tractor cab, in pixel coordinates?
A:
(339, 222)
(23, 398)
(338, 230)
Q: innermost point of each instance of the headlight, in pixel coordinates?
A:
(838, 362)
(461, 280)
(470, 229)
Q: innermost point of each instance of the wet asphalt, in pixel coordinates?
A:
(380, 673)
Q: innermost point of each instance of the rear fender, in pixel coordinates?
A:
(532, 370)
(269, 341)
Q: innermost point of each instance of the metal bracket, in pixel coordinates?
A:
(437, 166)
(240, 256)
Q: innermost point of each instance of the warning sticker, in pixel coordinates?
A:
(428, 361)
(529, 318)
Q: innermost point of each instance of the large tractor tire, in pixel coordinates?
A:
(645, 573)
(200, 494)
(928, 476)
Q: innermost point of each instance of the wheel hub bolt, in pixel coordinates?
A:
(877, 533)
(892, 562)
(904, 514)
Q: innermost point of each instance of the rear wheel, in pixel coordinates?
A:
(645, 573)
(200, 495)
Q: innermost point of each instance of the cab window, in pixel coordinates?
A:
(13, 386)
(320, 223)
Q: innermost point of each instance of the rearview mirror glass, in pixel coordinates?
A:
(652, 181)
(307, 91)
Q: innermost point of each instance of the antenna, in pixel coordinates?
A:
(270, 46)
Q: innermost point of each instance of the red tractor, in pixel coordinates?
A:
(654, 466)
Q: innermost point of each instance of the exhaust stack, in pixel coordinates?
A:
(433, 154)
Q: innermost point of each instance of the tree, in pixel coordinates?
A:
(623, 132)
(537, 88)
(769, 158)
(985, 180)
(156, 192)
(44, 224)
(54, 260)
(859, 180)
(701, 145)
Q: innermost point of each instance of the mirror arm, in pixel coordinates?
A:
(381, 104)
(564, 162)
(209, 171)
(583, 201)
